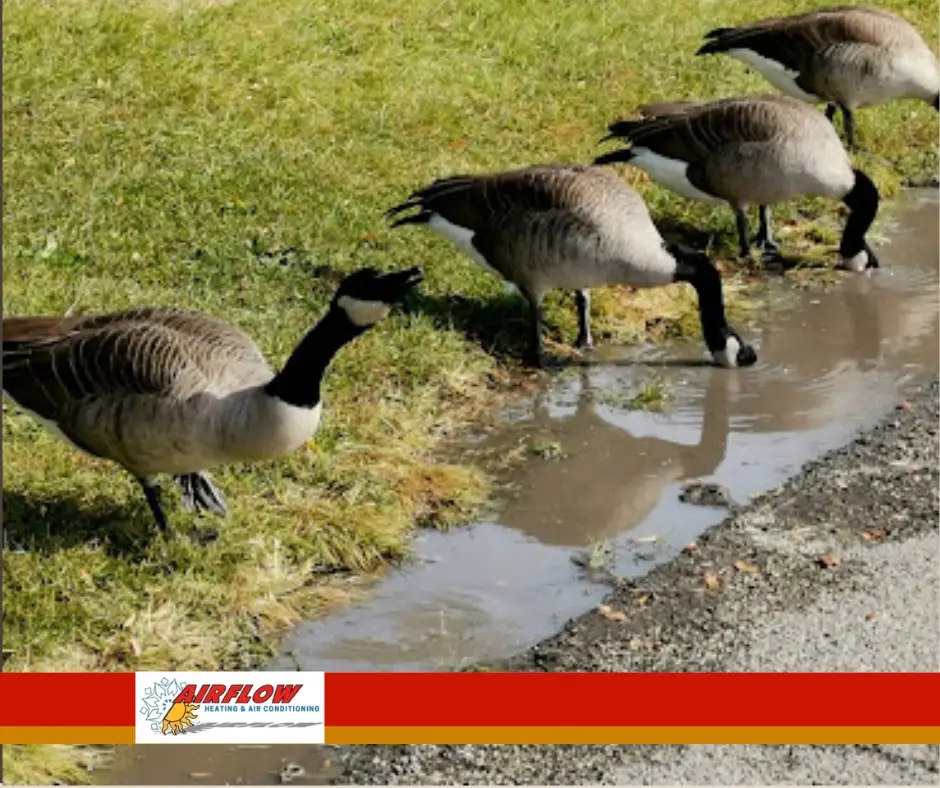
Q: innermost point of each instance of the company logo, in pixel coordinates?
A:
(164, 709)
(169, 706)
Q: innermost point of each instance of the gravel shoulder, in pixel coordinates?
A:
(872, 505)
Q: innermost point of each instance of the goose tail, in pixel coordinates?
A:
(425, 198)
(724, 38)
(614, 157)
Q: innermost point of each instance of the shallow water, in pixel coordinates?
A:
(828, 367)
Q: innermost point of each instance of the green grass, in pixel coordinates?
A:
(235, 157)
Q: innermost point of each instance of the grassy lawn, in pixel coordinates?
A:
(235, 157)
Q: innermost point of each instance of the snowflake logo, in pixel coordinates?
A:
(158, 700)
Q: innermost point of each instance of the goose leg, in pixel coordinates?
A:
(743, 236)
(200, 494)
(765, 238)
(831, 110)
(583, 300)
(536, 353)
(152, 494)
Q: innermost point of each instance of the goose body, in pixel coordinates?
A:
(570, 227)
(173, 391)
(847, 56)
(746, 151)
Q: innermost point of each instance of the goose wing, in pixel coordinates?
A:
(52, 365)
(502, 210)
(795, 41)
(692, 132)
(476, 201)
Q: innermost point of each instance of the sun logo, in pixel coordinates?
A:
(161, 710)
(178, 717)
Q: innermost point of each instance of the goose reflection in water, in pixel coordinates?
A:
(611, 480)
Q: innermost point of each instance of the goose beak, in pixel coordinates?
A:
(395, 286)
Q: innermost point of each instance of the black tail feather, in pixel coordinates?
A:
(714, 47)
(614, 157)
(400, 208)
(421, 198)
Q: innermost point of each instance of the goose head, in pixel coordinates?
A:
(726, 346)
(366, 296)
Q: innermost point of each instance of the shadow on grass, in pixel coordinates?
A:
(51, 524)
(675, 230)
(501, 324)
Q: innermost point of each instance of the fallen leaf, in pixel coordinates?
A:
(711, 582)
(457, 144)
(873, 535)
(369, 237)
(609, 613)
(905, 405)
(636, 644)
(642, 600)
(829, 561)
(646, 539)
(691, 547)
(744, 566)
(869, 616)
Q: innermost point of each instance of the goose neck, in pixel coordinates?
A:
(862, 201)
(298, 383)
(704, 277)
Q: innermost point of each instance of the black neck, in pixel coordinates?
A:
(299, 382)
(704, 277)
(863, 204)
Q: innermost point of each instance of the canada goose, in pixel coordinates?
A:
(848, 56)
(175, 391)
(756, 150)
(569, 226)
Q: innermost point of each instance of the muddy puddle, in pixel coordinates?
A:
(603, 480)
(607, 476)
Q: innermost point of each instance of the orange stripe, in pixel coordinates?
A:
(631, 735)
(35, 734)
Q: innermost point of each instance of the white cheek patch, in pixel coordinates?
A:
(729, 356)
(363, 313)
(857, 263)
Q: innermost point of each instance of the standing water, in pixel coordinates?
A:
(828, 367)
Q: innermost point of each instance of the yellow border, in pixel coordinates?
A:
(523, 735)
(632, 735)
